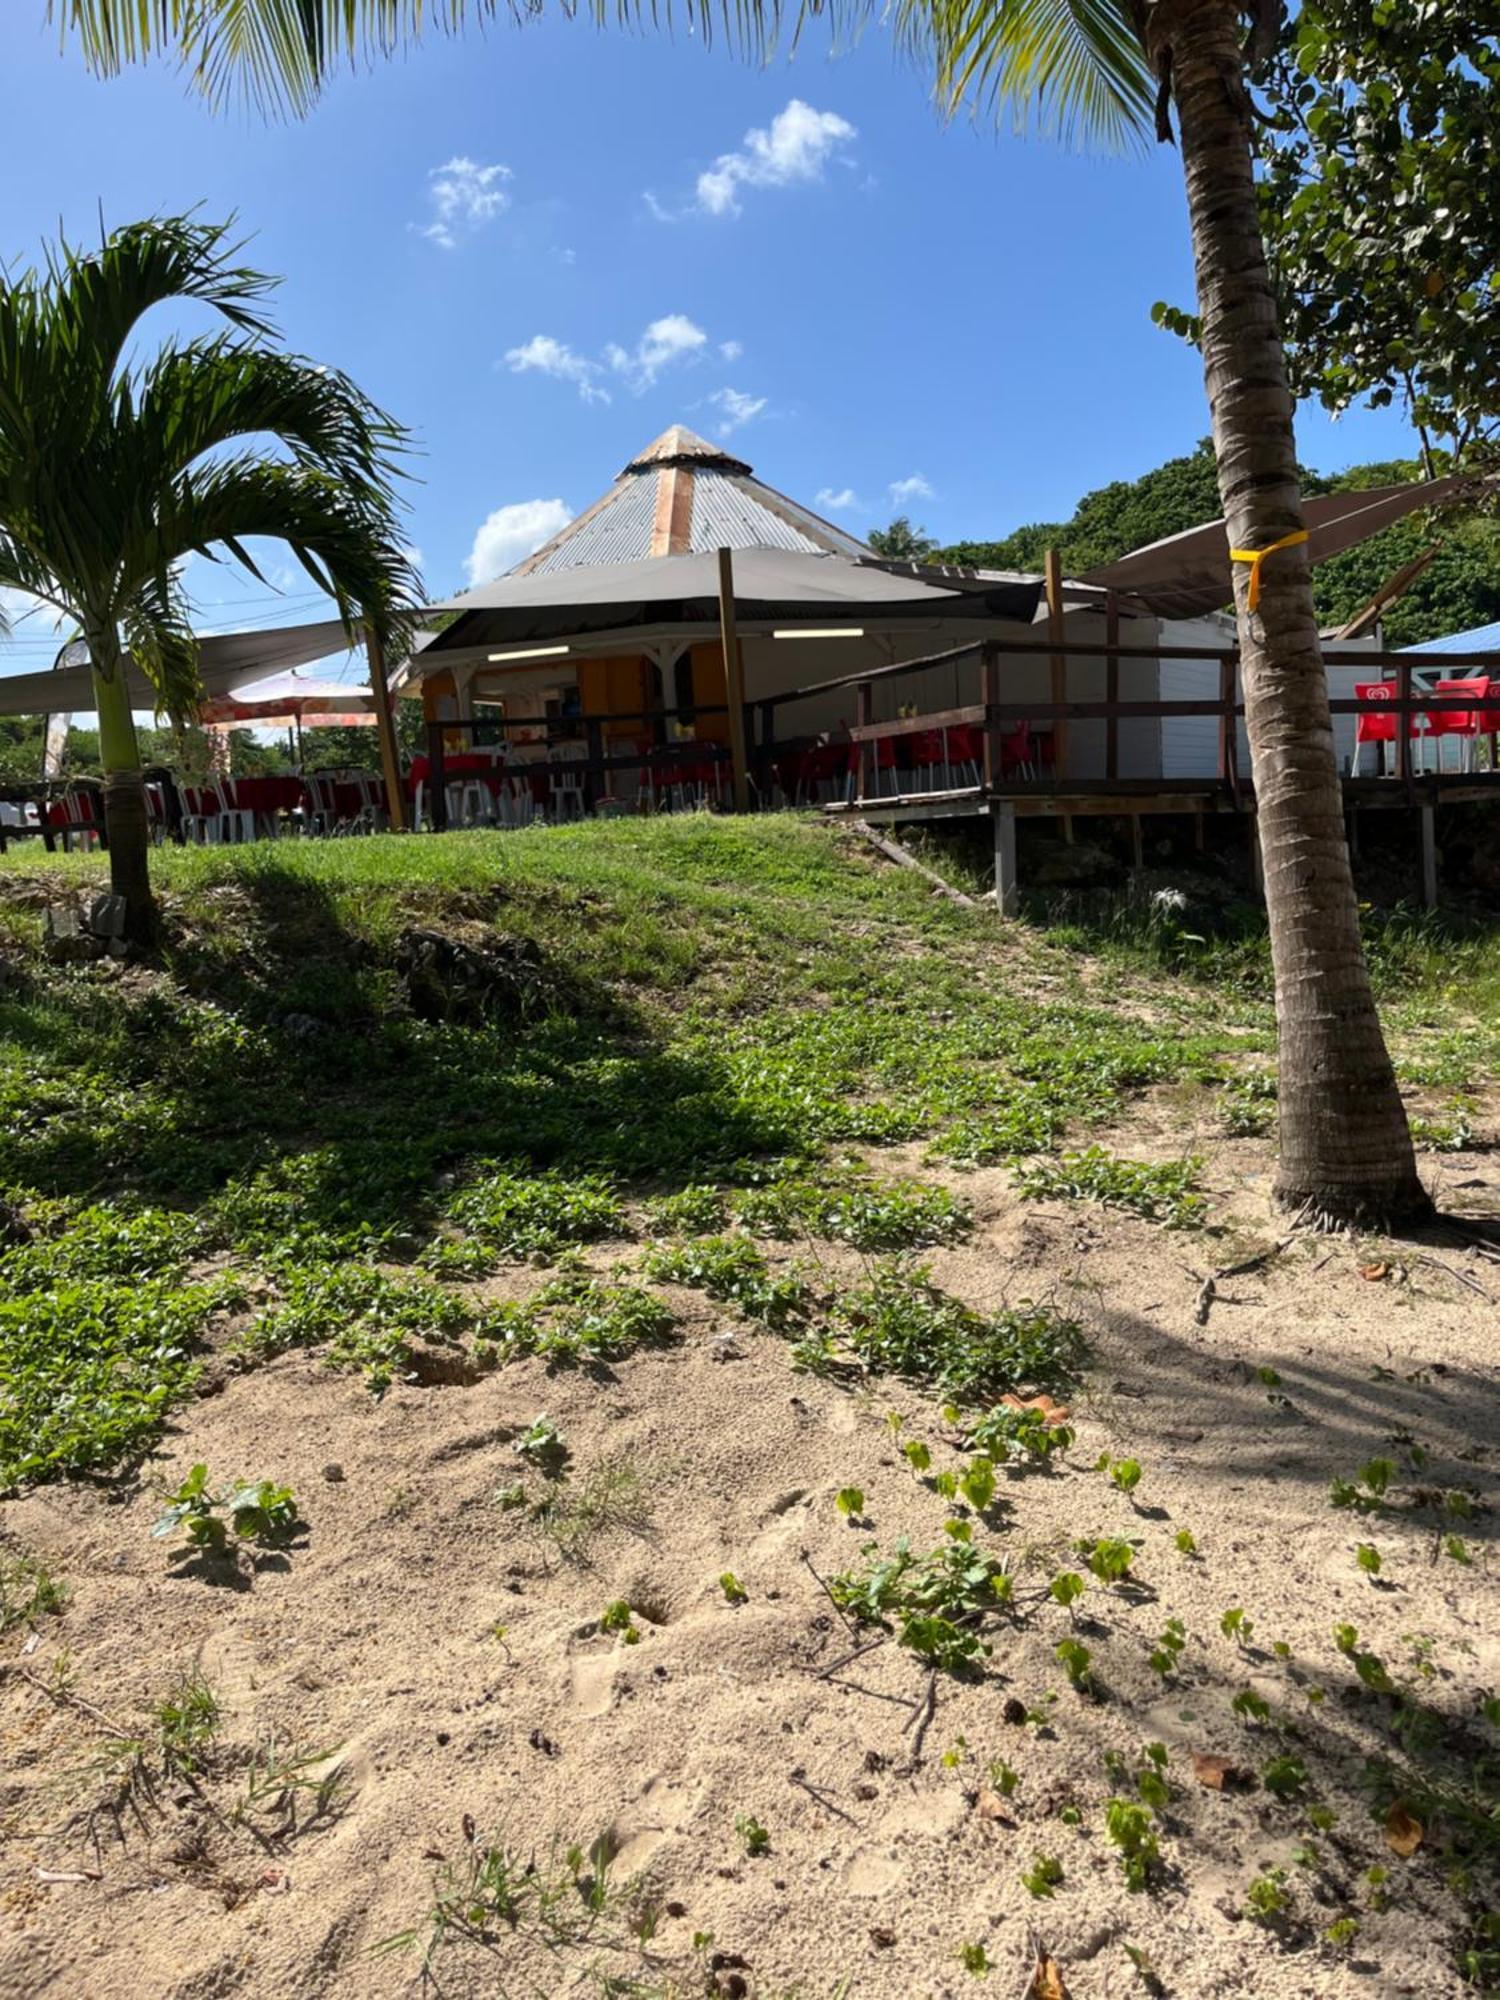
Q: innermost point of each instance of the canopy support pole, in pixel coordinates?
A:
(1052, 569)
(734, 682)
(385, 729)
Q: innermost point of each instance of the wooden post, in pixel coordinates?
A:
(595, 779)
(989, 694)
(1429, 858)
(437, 776)
(1199, 840)
(1007, 886)
(734, 682)
(1137, 844)
(1112, 686)
(385, 729)
(1058, 676)
(864, 704)
(1403, 725)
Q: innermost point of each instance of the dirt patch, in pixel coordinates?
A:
(435, 1656)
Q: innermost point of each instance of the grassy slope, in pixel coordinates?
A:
(694, 999)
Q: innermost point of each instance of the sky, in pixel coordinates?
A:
(538, 247)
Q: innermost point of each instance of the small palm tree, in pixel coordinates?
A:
(112, 473)
(1115, 69)
(901, 542)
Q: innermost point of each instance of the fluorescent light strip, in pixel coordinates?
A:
(822, 632)
(532, 653)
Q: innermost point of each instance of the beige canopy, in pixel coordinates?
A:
(227, 661)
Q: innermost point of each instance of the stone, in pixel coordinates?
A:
(107, 916)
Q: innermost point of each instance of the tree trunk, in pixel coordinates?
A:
(125, 818)
(1345, 1149)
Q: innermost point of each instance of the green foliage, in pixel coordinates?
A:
(543, 1445)
(1043, 1876)
(1125, 1474)
(975, 1959)
(901, 542)
(850, 1502)
(525, 1213)
(732, 1269)
(28, 1591)
(1067, 1587)
(612, 1494)
(753, 1836)
(258, 1512)
(1109, 1559)
(187, 1721)
(575, 1322)
(697, 1210)
(1267, 1896)
(1377, 176)
(856, 1208)
(899, 1323)
(932, 1602)
(1166, 1656)
(617, 1618)
(734, 1591)
(1129, 1827)
(1075, 1660)
(1160, 1191)
(1005, 1434)
(366, 1318)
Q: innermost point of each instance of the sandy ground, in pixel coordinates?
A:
(376, 1638)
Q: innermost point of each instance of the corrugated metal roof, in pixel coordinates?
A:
(619, 532)
(1482, 639)
(685, 496)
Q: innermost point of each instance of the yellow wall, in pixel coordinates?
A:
(619, 686)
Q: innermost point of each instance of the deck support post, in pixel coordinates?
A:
(1427, 818)
(1200, 839)
(1007, 885)
(734, 684)
(1137, 844)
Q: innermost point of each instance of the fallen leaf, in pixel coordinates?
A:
(1046, 1980)
(1053, 1413)
(990, 1805)
(1374, 1272)
(882, 1937)
(1217, 1773)
(1403, 1834)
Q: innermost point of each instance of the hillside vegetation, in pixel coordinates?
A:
(590, 1267)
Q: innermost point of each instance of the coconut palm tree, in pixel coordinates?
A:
(113, 472)
(1114, 69)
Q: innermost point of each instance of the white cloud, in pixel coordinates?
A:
(736, 408)
(914, 488)
(464, 196)
(542, 355)
(837, 502)
(510, 534)
(731, 350)
(797, 147)
(672, 338)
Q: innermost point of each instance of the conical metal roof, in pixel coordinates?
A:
(684, 495)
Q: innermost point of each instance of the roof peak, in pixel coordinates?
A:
(677, 445)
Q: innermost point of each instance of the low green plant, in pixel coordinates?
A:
(1075, 1660)
(899, 1323)
(917, 1455)
(1235, 1625)
(524, 1212)
(933, 1603)
(1167, 1653)
(28, 1591)
(543, 1445)
(495, 1892)
(851, 1205)
(754, 1837)
(975, 1959)
(1284, 1776)
(1267, 1896)
(1163, 1191)
(734, 1591)
(1107, 1557)
(612, 1496)
(732, 1269)
(1007, 1434)
(1067, 1587)
(1043, 1876)
(1125, 1474)
(187, 1721)
(1251, 1707)
(1185, 1542)
(977, 1483)
(365, 1318)
(1129, 1827)
(575, 1321)
(850, 1502)
(1367, 1558)
(258, 1512)
(696, 1210)
(617, 1618)
(1342, 1932)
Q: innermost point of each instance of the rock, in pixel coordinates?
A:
(118, 948)
(106, 917)
(724, 1347)
(333, 1472)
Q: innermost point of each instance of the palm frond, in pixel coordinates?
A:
(159, 632)
(1073, 69)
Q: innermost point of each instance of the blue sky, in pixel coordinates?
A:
(540, 247)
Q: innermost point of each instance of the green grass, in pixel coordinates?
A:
(899, 1323)
(1161, 1191)
(714, 1010)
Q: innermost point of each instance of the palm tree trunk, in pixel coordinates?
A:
(125, 818)
(1345, 1149)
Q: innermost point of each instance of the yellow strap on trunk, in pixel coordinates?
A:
(1255, 557)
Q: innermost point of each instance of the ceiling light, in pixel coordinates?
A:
(532, 653)
(822, 632)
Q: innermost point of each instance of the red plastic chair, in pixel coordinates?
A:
(925, 754)
(1462, 723)
(1018, 751)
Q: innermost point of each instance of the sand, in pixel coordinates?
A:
(376, 1641)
